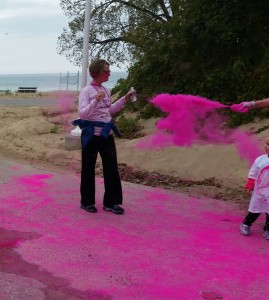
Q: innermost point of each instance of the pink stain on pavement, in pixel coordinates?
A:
(30, 187)
(166, 246)
(9, 244)
(195, 120)
(35, 181)
(16, 168)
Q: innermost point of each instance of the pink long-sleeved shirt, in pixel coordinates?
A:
(92, 110)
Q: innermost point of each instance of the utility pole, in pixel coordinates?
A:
(85, 62)
(86, 33)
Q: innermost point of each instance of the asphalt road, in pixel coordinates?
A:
(167, 246)
(26, 102)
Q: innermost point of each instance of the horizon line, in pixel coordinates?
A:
(38, 73)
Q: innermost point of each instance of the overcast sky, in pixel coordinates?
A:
(28, 37)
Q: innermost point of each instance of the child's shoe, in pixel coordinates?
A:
(245, 229)
(266, 234)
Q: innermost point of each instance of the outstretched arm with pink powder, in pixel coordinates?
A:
(248, 105)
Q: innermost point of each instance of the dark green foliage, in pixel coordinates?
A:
(236, 119)
(149, 111)
(121, 85)
(215, 53)
(215, 49)
(129, 127)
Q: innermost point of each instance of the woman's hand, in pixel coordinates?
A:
(128, 95)
(246, 105)
(248, 191)
(99, 96)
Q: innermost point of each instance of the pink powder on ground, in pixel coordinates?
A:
(195, 120)
(34, 182)
(176, 247)
(9, 244)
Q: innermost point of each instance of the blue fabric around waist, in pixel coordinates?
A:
(87, 128)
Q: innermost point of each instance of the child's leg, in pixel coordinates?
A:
(266, 225)
(248, 221)
(251, 218)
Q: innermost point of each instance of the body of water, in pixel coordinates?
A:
(51, 81)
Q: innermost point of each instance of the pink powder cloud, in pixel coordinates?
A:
(195, 120)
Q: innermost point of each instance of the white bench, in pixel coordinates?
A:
(27, 90)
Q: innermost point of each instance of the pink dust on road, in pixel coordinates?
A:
(166, 246)
(195, 120)
(9, 244)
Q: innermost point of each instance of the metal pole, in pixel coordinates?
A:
(67, 80)
(85, 57)
(86, 32)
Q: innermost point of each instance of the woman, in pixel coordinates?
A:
(95, 111)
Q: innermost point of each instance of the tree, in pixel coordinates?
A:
(120, 30)
(217, 49)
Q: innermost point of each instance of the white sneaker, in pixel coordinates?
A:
(245, 229)
(266, 234)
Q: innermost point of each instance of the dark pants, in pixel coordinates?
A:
(113, 191)
(252, 217)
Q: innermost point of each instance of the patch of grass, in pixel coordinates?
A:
(129, 127)
(5, 92)
(150, 111)
(54, 129)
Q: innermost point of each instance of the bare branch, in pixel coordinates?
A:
(128, 4)
(117, 39)
(165, 11)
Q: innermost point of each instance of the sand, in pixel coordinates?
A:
(37, 135)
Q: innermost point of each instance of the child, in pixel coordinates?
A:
(258, 182)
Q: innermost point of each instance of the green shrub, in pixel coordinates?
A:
(54, 129)
(120, 85)
(150, 111)
(129, 127)
(235, 119)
